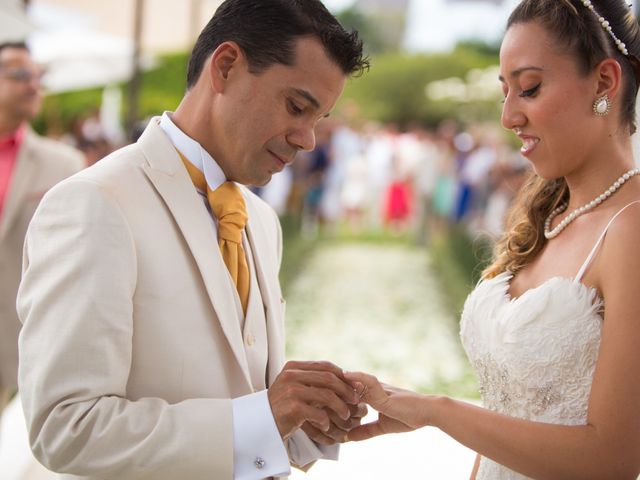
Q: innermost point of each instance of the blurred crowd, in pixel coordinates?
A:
(374, 177)
(416, 181)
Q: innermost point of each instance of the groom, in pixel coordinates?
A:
(153, 343)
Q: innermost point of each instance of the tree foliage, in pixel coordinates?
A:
(394, 89)
(377, 40)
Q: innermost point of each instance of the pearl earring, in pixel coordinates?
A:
(602, 106)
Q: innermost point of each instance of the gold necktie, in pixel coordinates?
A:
(227, 204)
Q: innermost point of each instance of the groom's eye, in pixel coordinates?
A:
(294, 108)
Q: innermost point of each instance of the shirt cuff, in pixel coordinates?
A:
(258, 450)
(329, 452)
(303, 450)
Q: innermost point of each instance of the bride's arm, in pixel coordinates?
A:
(538, 450)
(607, 447)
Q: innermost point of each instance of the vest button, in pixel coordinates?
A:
(251, 340)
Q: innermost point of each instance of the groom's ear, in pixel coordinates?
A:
(227, 58)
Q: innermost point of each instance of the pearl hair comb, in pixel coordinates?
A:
(605, 24)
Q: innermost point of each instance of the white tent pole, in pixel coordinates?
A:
(134, 84)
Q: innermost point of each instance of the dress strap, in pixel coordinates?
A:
(595, 248)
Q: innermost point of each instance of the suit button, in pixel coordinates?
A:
(251, 340)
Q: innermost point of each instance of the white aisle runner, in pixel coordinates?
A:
(380, 308)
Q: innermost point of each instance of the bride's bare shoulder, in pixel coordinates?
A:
(620, 257)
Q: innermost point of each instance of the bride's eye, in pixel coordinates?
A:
(530, 92)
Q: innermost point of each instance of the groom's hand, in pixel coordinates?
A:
(339, 429)
(313, 393)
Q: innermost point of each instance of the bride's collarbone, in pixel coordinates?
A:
(564, 255)
(562, 260)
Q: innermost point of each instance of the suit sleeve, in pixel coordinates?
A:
(76, 304)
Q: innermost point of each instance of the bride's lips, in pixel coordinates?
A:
(529, 144)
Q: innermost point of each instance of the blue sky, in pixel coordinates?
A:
(436, 25)
(337, 4)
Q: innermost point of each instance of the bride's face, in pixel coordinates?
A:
(548, 101)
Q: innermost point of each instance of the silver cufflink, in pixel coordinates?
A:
(259, 463)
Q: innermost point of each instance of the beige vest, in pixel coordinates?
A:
(254, 327)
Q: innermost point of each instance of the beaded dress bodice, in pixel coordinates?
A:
(534, 355)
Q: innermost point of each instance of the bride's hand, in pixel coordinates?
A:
(399, 410)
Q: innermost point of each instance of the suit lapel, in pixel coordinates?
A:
(266, 272)
(173, 184)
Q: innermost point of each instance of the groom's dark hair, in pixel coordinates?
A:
(266, 31)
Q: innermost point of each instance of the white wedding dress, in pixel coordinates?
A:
(534, 355)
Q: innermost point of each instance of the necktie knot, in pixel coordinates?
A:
(227, 204)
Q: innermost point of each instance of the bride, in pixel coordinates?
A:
(553, 329)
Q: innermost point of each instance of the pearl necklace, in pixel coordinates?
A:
(549, 234)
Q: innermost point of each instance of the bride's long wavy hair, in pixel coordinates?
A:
(576, 30)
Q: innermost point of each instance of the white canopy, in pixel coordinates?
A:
(14, 24)
(75, 54)
(66, 43)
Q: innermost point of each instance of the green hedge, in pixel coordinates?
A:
(458, 260)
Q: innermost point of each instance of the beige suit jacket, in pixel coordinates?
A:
(41, 163)
(131, 350)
